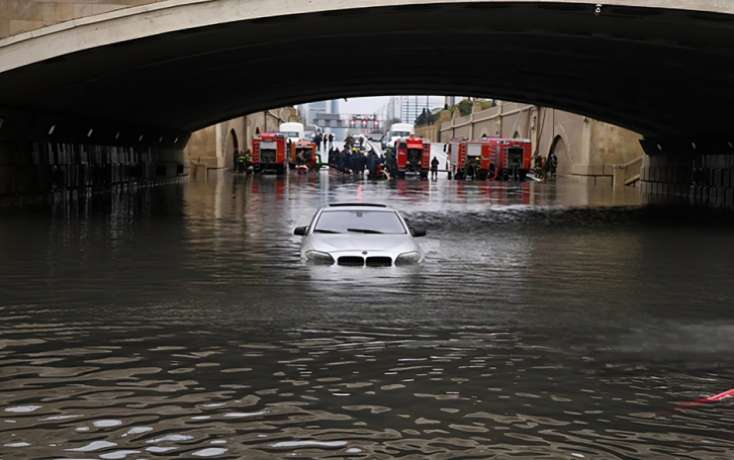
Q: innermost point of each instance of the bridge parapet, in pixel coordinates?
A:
(18, 16)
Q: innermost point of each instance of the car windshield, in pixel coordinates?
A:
(358, 221)
(291, 134)
(400, 133)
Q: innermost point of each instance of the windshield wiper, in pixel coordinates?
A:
(363, 230)
(323, 230)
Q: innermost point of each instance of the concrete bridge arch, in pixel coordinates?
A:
(560, 148)
(150, 75)
(233, 146)
(618, 64)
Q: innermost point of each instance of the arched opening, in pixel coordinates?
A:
(141, 87)
(560, 149)
(516, 135)
(232, 147)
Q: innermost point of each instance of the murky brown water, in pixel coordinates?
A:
(178, 322)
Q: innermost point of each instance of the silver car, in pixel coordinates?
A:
(359, 235)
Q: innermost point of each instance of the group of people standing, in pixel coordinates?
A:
(242, 161)
(356, 158)
(353, 160)
(324, 141)
(546, 169)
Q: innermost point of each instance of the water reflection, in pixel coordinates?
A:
(179, 322)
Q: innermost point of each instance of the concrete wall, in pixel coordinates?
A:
(611, 144)
(429, 131)
(433, 131)
(67, 168)
(572, 131)
(214, 147)
(695, 174)
(587, 149)
(18, 16)
(69, 164)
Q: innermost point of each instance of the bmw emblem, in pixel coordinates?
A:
(364, 253)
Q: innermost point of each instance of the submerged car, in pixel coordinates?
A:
(359, 235)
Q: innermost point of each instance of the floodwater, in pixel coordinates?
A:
(548, 321)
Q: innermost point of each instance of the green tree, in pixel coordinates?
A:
(465, 107)
(426, 118)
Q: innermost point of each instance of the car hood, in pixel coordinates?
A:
(360, 242)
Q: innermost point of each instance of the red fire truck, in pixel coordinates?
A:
(512, 158)
(412, 155)
(303, 152)
(269, 153)
(493, 158)
(471, 157)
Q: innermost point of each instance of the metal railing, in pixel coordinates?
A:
(627, 174)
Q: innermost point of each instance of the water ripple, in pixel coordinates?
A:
(545, 323)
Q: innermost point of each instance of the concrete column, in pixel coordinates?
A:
(533, 120)
(585, 154)
(471, 124)
(501, 133)
(217, 161)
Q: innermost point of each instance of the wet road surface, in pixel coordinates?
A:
(549, 321)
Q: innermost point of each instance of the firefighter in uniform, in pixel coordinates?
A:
(241, 162)
(434, 169)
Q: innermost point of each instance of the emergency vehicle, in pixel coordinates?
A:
(412, 155)
(293, 131)
(494, 158)
(269, 153)
(511, 158)
(471, 157)
(399, 131)
(303, 153)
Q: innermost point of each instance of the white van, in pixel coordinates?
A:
(294, 131)
(400, 130)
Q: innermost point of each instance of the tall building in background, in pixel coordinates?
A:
(408, 108)
(412, 106)
(303, 112)
(390, 109)
(315, 109)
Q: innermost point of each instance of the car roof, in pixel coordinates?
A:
(357, 206)
(375, 205)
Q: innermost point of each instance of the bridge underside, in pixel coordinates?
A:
(664, 73)
(659, 72)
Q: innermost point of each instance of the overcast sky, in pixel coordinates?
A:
(377, 104)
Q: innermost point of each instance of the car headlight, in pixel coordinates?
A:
(319, 258)
(408, 258)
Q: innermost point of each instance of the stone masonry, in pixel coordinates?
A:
(17, 16)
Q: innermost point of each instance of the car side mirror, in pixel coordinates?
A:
(418, 232)
(300, 231)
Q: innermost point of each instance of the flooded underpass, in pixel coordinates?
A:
(548, 321)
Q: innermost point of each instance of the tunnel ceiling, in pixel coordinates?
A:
(659, 72)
